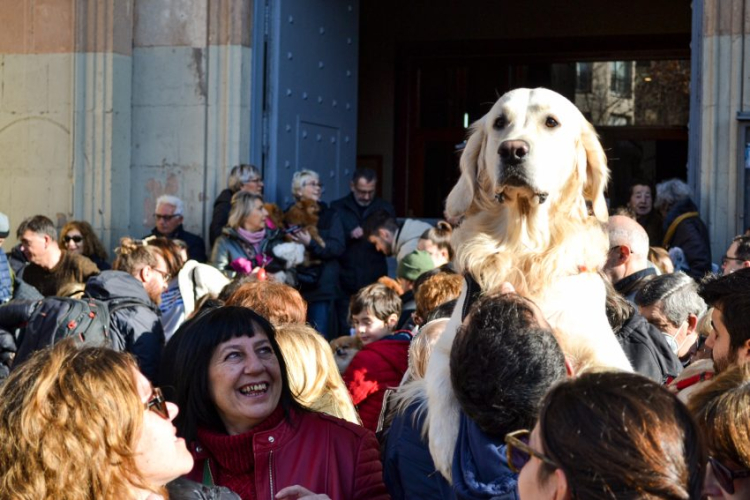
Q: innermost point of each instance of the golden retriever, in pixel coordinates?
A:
(531, 195)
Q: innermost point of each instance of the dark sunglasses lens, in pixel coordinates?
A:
(723, 476)
(77, 239)
(158, 404)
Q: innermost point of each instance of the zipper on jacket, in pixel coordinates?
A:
(270, 472)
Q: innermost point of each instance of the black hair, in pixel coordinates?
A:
(444, 310)
(191, 355)
(367, 174)
(379, 219)
(730, 294)
(502, 363)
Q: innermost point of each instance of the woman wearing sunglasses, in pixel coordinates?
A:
(722, 410)
(245, 428)
(609, 435)
(77, 236)
(85, 424)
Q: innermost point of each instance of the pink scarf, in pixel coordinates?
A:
(254, 238)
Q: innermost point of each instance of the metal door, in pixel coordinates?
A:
(309, 94)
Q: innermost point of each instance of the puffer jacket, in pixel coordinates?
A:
(220, 217)
(691, 235)
(230, 246)
(136, 329)
(408, 469)
(377, 367)
(324, 454)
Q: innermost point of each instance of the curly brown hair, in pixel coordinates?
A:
(69, 424)
(91, 243)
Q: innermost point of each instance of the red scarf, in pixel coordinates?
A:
(232, 461)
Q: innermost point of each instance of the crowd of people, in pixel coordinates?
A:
(213, 376)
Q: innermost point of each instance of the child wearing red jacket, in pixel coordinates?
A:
(382, 362)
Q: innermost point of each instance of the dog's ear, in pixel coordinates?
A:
(597, 173)
(461, 196)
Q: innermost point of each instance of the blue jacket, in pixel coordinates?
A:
(480, 467)
(408, 469)
(6, 278)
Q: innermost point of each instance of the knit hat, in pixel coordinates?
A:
(414, 264)
(4, 226)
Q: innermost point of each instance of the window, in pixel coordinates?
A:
(583, 76)
(621, 78)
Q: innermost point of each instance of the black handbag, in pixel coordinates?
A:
(308, 276)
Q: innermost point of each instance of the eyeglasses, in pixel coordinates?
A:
(76, 238)
(158, 404)
(727, 258)
(518, 452)
(164, 274)
(166, 218)
(725, 477)
(251, 181)
(314, 184)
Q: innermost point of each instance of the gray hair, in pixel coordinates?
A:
(300, 179)
(243, 203)
(670, 192)
(241, 174)
(168, 199)
(678, 294)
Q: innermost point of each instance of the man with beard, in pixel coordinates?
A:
(133, 290)
(361, 263)
(729, 296)
(392, 238)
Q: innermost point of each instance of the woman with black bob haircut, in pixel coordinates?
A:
(244, 427)
(609, 435)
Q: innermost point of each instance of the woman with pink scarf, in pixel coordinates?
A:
(246, 242)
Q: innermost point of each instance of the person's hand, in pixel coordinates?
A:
(356, 233)
(302, 236)
(297, 492)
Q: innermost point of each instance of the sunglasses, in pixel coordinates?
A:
(518, 452)
(166, 217)
(725, 477)
(76, 238)
(158, 404)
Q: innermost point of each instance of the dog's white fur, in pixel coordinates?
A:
(529, 225)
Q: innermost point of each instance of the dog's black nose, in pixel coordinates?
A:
(514, 151)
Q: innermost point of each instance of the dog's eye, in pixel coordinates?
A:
(501, 122)
(551, 122)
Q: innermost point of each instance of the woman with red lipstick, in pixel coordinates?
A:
(248, 433)
(85, 424)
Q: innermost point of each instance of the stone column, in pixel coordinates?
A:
(191, 103)
(719, 91)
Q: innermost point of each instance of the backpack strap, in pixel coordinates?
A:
(473, 290)
(673, 226)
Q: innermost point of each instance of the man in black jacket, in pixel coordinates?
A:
(168, 218)
(361, 264)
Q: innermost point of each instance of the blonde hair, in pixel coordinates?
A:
(420, 349)
(313, 375)
(69, 422)
(243, 203)
(299, 179)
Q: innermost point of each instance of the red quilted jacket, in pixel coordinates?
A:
(377, 367)
(322, 453)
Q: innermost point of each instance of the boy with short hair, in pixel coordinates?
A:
(382, 362)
